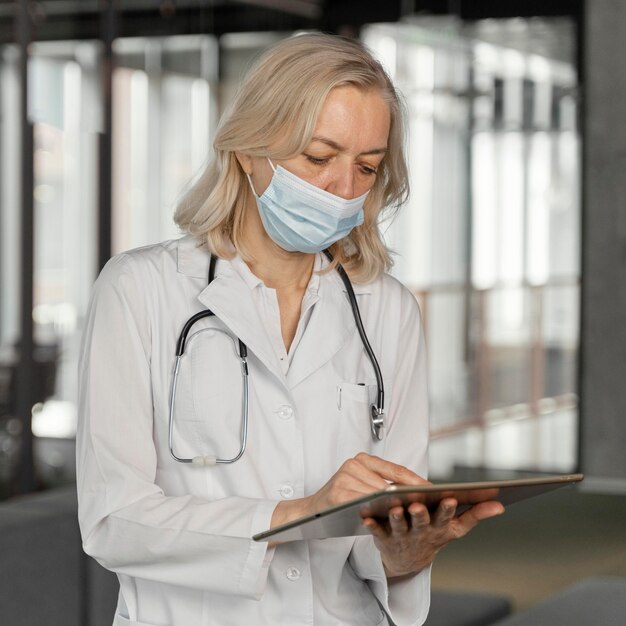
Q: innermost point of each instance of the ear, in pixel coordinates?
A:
(245, 160)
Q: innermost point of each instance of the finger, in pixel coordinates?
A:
(375, 528)
(444, 513)
(389, 471)
(348, 488)
(476, 514)
(484, 510)
(419, 516)
(342, 487)
(374, 471)
(397, 521)
(353, 471)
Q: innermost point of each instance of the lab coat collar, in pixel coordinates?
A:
(193, 261)
(230, 298)
(193, 257)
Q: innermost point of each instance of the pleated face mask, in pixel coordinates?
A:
(300, 217)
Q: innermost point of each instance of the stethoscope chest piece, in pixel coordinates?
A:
(377, 422)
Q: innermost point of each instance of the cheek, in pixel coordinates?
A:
(313, 174)
(260, 182)
(320, 179)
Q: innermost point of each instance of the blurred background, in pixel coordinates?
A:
(513, 241)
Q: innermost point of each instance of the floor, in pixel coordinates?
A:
(539, 547)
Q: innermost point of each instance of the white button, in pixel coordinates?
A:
(286, 491)
(284, 412)
(293, 573)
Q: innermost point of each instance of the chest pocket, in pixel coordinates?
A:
(354, 433)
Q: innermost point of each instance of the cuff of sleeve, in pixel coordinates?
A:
(254, 575)
(406, 601)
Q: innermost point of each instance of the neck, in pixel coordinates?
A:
(283, 272)
(277, 268)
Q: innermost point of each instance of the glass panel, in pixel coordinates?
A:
(508, 337)
(447, 359)
(9, 199)
(163, 118)
(65, 162)
(65, 118)
(484, 210)
(560, 336)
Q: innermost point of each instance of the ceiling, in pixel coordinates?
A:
(82, 19)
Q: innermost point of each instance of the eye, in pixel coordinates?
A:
(368, 170)
(317, 160)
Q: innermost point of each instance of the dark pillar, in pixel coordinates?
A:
(107, 34)
(25, 373)
(603, 322)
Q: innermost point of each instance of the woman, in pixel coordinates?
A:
(305, 160)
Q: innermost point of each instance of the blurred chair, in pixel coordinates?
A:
(45, 577)
(592, 602)
(465, 608)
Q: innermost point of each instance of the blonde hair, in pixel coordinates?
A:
(277, 105)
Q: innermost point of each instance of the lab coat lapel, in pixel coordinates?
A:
(330, 326)
(230, 299)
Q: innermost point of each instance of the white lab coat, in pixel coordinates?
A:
(179, 537)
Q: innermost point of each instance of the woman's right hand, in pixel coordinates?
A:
(357, 477)
(406, 546)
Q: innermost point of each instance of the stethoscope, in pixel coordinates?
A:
(377, 411)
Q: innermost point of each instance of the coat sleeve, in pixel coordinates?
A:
(127, 523)
(406, 442)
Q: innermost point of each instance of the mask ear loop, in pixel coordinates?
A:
(250, 179)
(251, 185)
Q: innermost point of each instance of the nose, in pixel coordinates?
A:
(343, 183)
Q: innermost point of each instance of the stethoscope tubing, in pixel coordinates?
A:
(377, 411)
(243, 353)
(359, 325)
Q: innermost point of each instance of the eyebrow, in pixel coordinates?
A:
(340, 148)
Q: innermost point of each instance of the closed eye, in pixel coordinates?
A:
(368, 170)
(317, 160)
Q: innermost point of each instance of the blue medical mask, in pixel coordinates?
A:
(300, 217)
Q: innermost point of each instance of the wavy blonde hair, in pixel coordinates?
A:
(277, 105)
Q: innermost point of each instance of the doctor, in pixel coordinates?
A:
(306, 159)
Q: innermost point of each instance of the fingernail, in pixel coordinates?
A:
(396, 516)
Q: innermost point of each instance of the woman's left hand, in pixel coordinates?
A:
(411, 538)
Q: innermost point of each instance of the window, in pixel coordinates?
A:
(489, 240)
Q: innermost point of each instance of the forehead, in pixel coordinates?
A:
(358, 119)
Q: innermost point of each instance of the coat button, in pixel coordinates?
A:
(285, 412)
(286, 491)
(293, 573)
